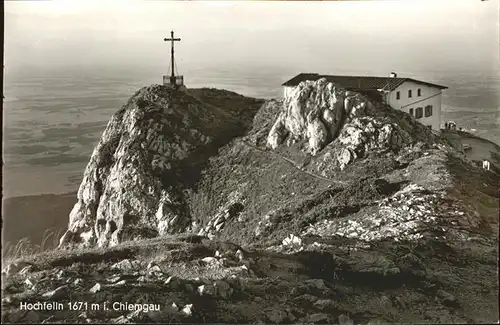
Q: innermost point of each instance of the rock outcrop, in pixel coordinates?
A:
(314, 112)
(347, 125)
(132, 186)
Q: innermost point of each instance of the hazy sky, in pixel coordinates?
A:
(313, 36)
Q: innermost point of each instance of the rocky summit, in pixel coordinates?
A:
(328, 206)
(149, 153)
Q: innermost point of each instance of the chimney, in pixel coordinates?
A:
(393, 75)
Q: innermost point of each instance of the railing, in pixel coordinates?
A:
(179, 80)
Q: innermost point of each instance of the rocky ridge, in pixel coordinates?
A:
(329, 208)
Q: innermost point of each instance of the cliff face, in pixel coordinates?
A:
(151, 149)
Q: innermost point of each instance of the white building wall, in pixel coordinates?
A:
(287, 91)
(428, 96)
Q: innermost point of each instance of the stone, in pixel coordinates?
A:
(114, 279)
(318, 284)
(119, 283)
(134, 314)
(58, 293)
(324, 304)
(187, 310)
(344, 158)
(210, 260)
(277, 133)
(239, 255)
(318, 136)
(219, 226)
(155, 269)
(292, 240)
(317, 319)
(27, 269)
(29, 283)
(206, 290)
(96, 288)
(123, 265)
(306, 298)
(121, 320)
(61, 274)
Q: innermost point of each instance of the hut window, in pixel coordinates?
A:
(419, 112)
(428, 110)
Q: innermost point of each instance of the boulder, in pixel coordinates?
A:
(187, 310)
(126, 265)
(325, 304)
(317, 319)
(292, 240)
(96, 288)
(207, 290)
(58, 293)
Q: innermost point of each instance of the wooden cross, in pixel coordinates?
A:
(172, 39)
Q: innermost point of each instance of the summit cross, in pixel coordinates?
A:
(172, 40)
